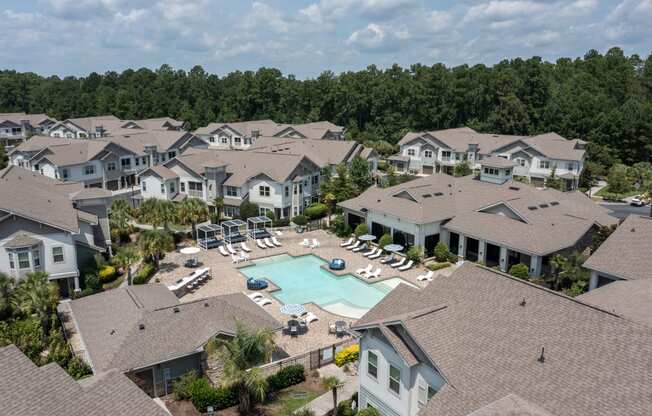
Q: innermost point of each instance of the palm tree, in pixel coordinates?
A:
(240, 355)
(191, 211)
(126, 257)
(333, 383)
(157, 212)
(218, 202)
(120, 214)
(6, 287)
(152, 243)
(36, 296)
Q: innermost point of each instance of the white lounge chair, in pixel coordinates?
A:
(230, 249)
(408, 266)
(360, 248)
(268, 243)
(357, 243)
(374, 274)
(398, 263)
(377, 255)
(278, 233)
(370, 252)
(315, 243)
(222, 251)
(260, 244)
(244, 247)
(427, 276)
(235, 259)
(305, 243)
(276, 242)
(311, 317)
(243, 256)
(364, 271)
(347, 243)
(254, 296)
(263, 301)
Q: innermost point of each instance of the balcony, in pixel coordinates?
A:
(195, 194)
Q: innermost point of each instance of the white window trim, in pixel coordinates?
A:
(369, 364)
(54, 256)
(390, 379)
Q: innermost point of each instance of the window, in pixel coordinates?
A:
(172, 154)
(287, 191)
(315, 180)
(162, 188)
(410, 152)
(171, 187)
(144, 185)
(544, 164)
(508, 172)
(224, 140)
(182, 185)
(491, 171)
(144, 159)
(445, 154)
(36, 258)
(65, 173)
(425, 394)
(521, 162)
(89, 170)
(211, 139)
(570, 166)
(12, 265)
(237, 140)
(57, 255)
(195, 186)
(231, 191)
(428, 154)
(372, 364)
(125, 163)
(36, 167)
(263, 190)
(110, 166)
(394, 379)
(23, 260)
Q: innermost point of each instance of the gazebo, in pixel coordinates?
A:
(210, 234)
(233, 232)
(257, 227)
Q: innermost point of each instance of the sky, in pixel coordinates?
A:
(306, 37)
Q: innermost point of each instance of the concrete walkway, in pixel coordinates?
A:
(594, 189)
(324, 403)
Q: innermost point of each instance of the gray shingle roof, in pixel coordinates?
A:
(497, 162)
(631, 299)
(314, 130)
(109, 324)
(323, 153)
(627, 253)
(21, 240)
(28, 390)
(487, 344)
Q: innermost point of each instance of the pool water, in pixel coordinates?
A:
(302, 280)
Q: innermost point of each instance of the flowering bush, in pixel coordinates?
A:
(347, 355)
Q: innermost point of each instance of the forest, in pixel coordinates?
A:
(605, 99)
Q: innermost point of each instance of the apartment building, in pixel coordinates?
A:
(107, 125)
(15, 128)
(282, 184)
(490, 219)
(535, 157)
(243, 135)
(51, 226)
(111, 162)
(480, 343)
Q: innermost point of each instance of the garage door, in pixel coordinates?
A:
(427, 170)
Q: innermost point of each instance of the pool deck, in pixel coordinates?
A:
(228, 279)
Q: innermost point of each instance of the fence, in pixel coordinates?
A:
(311, 360)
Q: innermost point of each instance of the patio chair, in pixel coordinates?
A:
(268, 243)
(377, 255)
(340, 328)
(293, 328)
(374, 274)
(243, 256)
(305, 243)
(408, 266)
(331, 328)
(278, 233)
(311, 317)
(354, 246)
(263, 301)
(364, 271)
(360, 248)
(398, 263)
(254, 296)
(303, 327)
(347, 242)
(370, 252)
(276, 242)
(244, 247)
(222, 251)
(315, 243)
(230, 249)
(235, 259)
(260, 244)
(427, 276)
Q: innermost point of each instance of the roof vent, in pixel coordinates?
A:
(532, 208)
(378, 200)
(633, 230)
(542, 357)
(450, 185)
(426, 195)
(206, 305)
(543, 205)
(112, 332)
(175, 309)
(514, 188)
(523, 302)
(554, 203)
(438, 194)
(141, 326)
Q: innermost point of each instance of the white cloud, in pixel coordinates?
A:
(327, 11)
(630, 21)
(376, 37)
(262, 15)
(502, 9)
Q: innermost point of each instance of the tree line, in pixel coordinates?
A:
(603, 98)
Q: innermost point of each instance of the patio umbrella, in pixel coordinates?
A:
(293, 309)
(367, 237)
(393, 248)
(189, 250)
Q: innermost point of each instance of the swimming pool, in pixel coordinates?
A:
(302, 280)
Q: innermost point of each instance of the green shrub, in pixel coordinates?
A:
(344, 408)
(369, 411)
(415, 253)
(203, 395)
(281, 222)
(520, 270)
(92, 283)
(316, 211)
(181, 386)
(300, 220)
(144, 274)
(107, 274)
(286, 377)
(339, 226)
(442, 253)
(361, 229)
(385, 240)
(438, 266)
(611, 196)
(348, 355)
(77, 368)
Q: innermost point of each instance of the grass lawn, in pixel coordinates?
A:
(289, 400)
(606, 190)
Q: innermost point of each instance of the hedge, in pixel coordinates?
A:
(316, 211)
(144, 274)
(300, 220)
(438, 266)
(203, 395)
(286, 377)
(347, 355)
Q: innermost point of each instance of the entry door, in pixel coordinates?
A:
(454, 243)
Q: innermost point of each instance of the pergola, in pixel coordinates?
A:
(209, 236)
(256, 227)
(233, 232)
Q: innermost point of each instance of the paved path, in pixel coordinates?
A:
(324, 403)
(596, 188)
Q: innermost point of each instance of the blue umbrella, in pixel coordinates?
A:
(293, 309)
(393, 248)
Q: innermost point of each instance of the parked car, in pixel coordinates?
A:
(639, 201)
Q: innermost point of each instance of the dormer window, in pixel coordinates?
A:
(544, 164)
(410, 152)
(427, 154)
